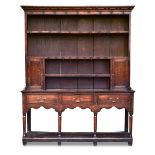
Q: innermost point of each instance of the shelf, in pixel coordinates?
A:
(77, 75)
(77, 137)
(77, 45)
(83, 57)
(123, 90)
(78, 57)
(77, 32)
(77, 90)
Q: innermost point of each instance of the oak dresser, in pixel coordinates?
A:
(77, 57)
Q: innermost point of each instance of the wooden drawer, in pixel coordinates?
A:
(77, 99)
(42, 99)
(112, 99)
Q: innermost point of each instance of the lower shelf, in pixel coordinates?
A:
(77, 137)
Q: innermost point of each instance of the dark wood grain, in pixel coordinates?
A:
(29, 120)
(95, 128)
(78, 137)
(121, 73)
(35, 73)
(59, 127)
(77, 57)
(130, 124)
(126, 121)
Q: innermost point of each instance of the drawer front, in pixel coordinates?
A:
(112, 99)
(77, 99)
(42, 99)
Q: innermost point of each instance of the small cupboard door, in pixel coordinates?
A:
(121, 74)
(35, 73)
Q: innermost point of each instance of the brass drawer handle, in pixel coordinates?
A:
(110, 98)
(113, 101)
(41, 99)
(77, 100)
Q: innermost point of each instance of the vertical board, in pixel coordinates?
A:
(102, 66)
(85, 24)
(52, 66)
(43, 45)
(85, 46)
(85, 67)
(85, 83)
(68, 67)
(101, 83)
(68, 45)
(102, 23)
(119, 45)
(52, 83)
(43, 23)
(120, 23)
(69, 23)
(68, 83)
(102, 45)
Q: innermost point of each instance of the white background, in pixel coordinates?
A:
(12, 81)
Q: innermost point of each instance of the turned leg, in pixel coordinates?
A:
(126, 121)
(59, 127)
(24, 128)
(24, 118)
(130, 124)
(29, 120)
(24, 124)
(95, 127)
(130, 128)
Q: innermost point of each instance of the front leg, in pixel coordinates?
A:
(126, 121)
(130, 129)
(29, 120)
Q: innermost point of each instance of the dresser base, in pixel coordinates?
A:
(77, 137)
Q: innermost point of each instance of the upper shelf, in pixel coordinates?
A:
(77, 32)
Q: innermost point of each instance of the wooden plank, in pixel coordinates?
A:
(77, 137)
